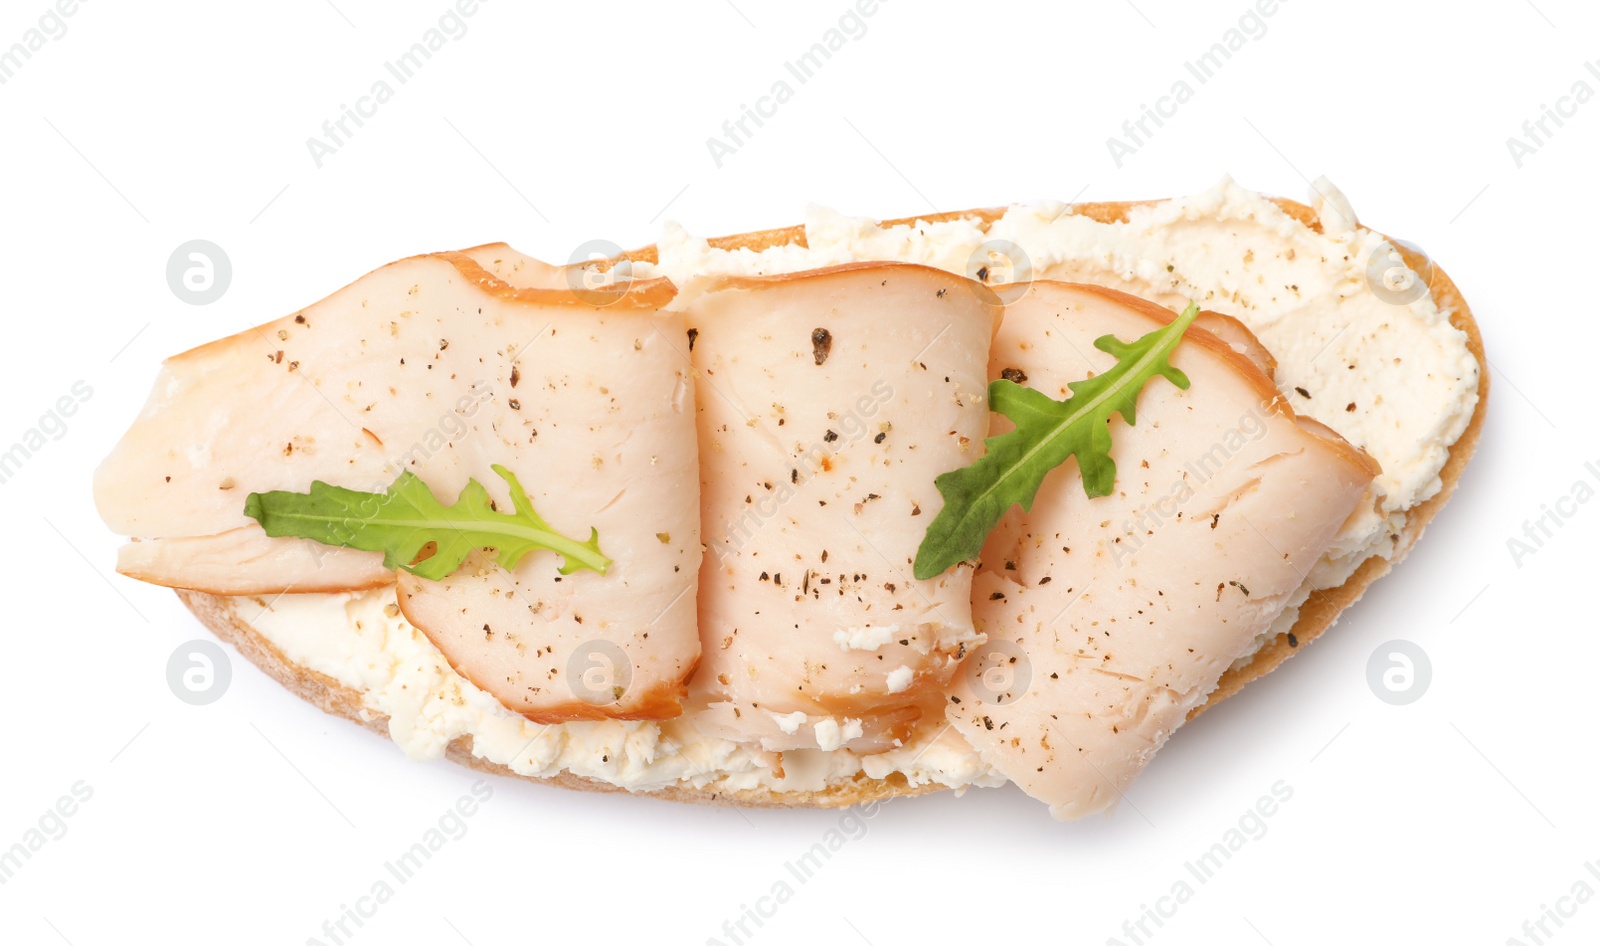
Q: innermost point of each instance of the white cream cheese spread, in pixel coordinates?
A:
(361, 640)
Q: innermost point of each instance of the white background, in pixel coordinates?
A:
(254, 819)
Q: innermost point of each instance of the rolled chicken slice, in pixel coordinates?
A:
(434, 365)
(829, 401)
(1108, 620)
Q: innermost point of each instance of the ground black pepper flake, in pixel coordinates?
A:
(515, 376)
(1015, 375)
(1294, 641)
(879, 438)
(829, 437)
(821, 344)
(694, 333)
(1303, 393)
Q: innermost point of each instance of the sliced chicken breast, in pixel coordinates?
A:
(434, 365)
(1109, 620)
(243, 561)
(518, 269)
(829, 401)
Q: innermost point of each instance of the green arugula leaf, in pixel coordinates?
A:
(1048, 433)
(401, 521)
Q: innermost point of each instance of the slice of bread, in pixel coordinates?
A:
(225, 617)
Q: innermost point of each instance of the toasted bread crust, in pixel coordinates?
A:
(1320, 611)
(227, 617)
